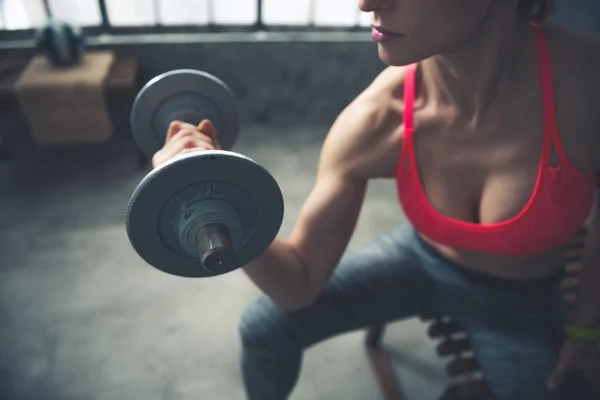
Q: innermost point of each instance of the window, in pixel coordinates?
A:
(132, 12)
(331, 13)
(277, 12)
(19, 14)
(184, 12)
(336, 13)
(29, 14)
(80, 12)
(235, 12)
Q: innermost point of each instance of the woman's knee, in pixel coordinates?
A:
(265, 325)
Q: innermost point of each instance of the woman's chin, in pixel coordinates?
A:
(392, 57)
(397, 57)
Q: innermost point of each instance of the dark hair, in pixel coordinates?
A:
(534, 10)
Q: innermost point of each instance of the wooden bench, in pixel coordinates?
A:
(456, 351)
(121, 88)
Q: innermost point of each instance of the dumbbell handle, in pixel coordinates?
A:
(214, 248)
(214, 243)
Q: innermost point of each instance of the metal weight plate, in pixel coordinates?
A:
(188, 95)
(160, 198)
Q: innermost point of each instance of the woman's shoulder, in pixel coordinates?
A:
(367, 133)
(390, 81)
(382, 100)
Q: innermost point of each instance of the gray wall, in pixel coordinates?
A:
(580, 14)
(275, 82)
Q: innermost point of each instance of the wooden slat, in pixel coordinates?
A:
(450, 347)
(439, 329)
(476, 390)
(462, 366)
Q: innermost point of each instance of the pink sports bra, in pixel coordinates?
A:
(561, 200)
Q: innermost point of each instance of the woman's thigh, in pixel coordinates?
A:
(380, 282)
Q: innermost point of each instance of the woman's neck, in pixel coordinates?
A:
(467, 78)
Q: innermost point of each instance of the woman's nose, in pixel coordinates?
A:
(374, 5)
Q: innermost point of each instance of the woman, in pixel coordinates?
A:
(491, 128)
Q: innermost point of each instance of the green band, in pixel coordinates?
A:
(576, 332)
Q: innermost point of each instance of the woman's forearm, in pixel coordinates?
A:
(281, 275)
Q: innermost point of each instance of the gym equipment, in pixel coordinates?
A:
(184, 95)
(62, 43)
(204, 213)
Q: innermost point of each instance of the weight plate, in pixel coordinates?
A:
(187, 95)
(167, 190)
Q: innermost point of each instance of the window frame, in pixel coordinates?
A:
(106, 28)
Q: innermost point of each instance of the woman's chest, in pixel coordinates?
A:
(490, 175)
(474, 182)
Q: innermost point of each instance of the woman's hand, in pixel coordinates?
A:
(577, 355)
(185, 138)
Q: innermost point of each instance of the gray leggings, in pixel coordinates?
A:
(515, 327)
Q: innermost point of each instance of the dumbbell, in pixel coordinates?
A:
(204, 213)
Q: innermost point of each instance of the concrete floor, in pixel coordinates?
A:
(83, 317)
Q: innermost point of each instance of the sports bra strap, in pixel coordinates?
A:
(546, 79)
(552, 139)
(409, 98)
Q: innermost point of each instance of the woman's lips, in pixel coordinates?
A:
(381, 35)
